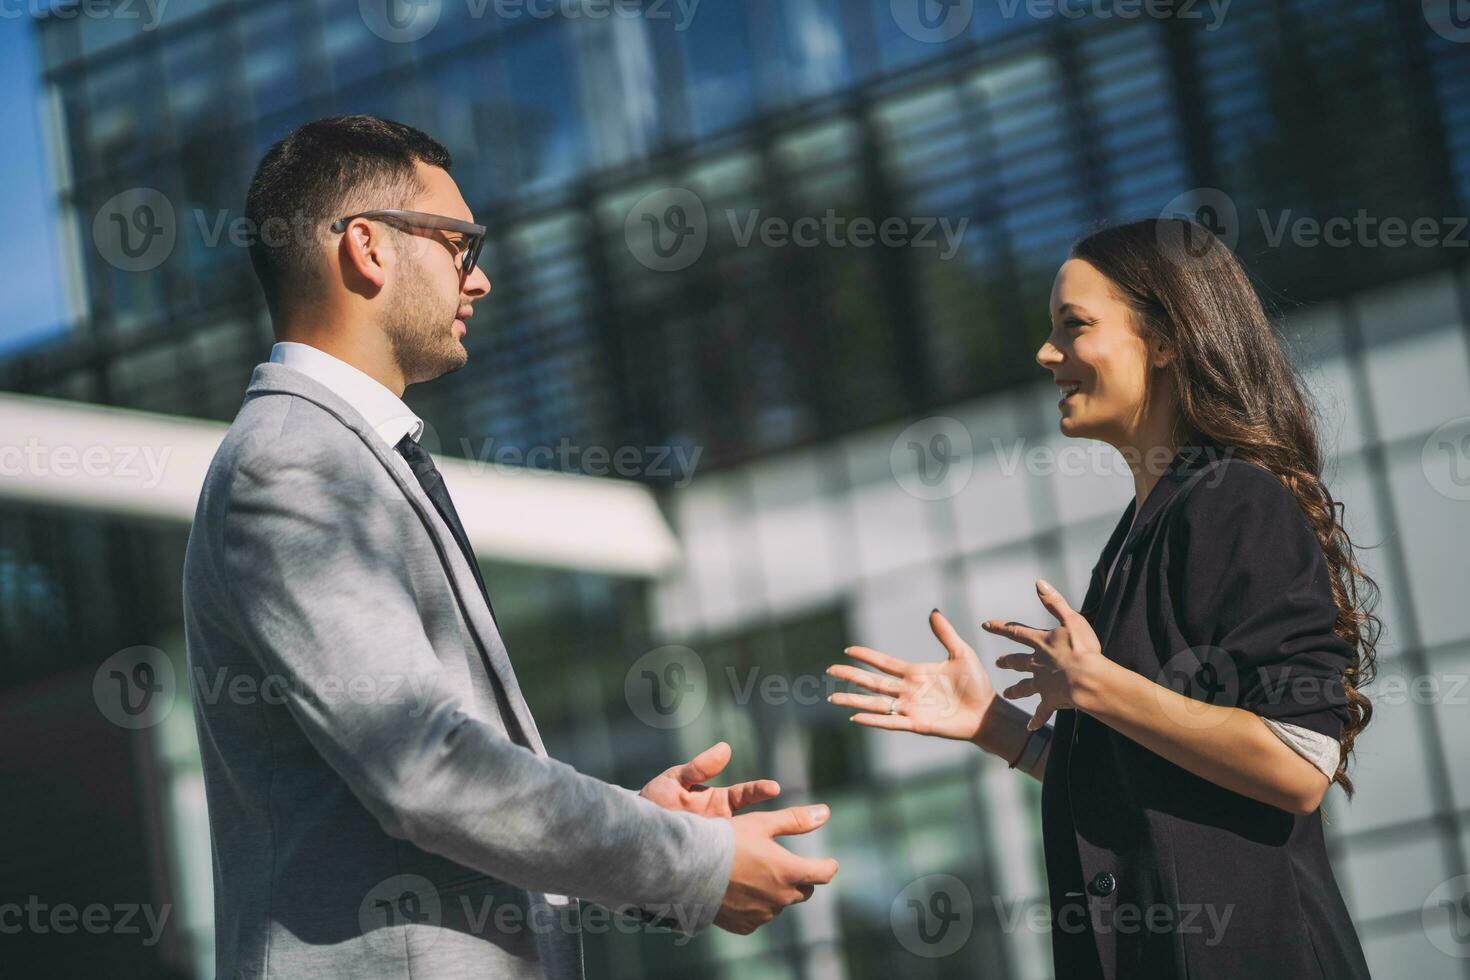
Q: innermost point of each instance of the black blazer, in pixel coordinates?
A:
(1221, 591)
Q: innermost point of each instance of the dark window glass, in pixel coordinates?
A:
(717, 68)
(550, 145)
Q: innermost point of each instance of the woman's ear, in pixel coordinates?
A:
(1159, 354)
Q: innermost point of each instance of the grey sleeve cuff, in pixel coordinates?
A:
(710, 865)
(707, 888)
(1318, 749)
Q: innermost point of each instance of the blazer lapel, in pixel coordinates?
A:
(271, 377)
(1097, 605)
(1196, 450)
(1094, 592)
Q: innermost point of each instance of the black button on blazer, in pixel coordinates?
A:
(1223, 593)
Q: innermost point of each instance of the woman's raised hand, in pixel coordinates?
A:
(1066, 663)
(948, 698)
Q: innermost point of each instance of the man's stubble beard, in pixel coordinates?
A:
(420, 331)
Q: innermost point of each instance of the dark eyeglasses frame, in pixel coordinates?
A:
(474, 234)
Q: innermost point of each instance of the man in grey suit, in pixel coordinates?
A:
(380, 801)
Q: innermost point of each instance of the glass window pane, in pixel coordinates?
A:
(717, 68)
(541, 90)
(279, 68)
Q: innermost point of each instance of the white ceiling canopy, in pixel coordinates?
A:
(141, 464)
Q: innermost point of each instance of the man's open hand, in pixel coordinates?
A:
(682, 787)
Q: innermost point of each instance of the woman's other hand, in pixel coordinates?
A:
(1065, 663)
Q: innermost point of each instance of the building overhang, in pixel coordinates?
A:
(128, 463)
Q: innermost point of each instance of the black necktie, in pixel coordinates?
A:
(423, 467)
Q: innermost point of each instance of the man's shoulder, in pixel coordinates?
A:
(287, 441)
(277, 426)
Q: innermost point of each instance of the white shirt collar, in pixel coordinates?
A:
(384, 411)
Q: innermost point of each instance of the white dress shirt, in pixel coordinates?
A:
(384, 411)
(1316, 748)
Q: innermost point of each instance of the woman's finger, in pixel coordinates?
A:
(881, 683)
(1043, 713)
(893, 723)
(1019, 632)
(1021, 689)
(945, 633)
(1054, 601)
(862, 702)
(1017, 661)
(880, 660)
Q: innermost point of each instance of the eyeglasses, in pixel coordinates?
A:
(471, 240)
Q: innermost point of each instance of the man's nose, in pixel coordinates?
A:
(478, 284)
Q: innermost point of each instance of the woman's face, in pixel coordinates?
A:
(1096, 349)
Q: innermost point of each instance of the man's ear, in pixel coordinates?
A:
(364, 251)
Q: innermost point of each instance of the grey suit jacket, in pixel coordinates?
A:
(372, 812)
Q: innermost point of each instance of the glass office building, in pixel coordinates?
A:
(799, 375)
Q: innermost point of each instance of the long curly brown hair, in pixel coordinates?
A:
(1235, 384)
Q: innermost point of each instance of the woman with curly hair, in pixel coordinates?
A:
(1208, 691)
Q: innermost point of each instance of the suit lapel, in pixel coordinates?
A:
(1094, 593)
(1196, 450)
(271, 377)
(1096, 606)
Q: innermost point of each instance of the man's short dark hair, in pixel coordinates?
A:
(320, 172)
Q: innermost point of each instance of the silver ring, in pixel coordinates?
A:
(893, 706)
